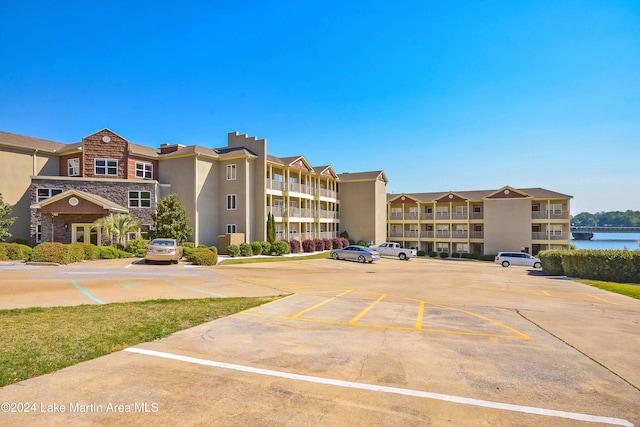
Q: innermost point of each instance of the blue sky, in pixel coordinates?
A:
(441, 95)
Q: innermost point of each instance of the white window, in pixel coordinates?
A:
(442, 211)
(106, 167)
(231, 202)
(142, 232)
(555, 209)
(144, 170)
(231, 228)
(73, 167)
(555, 230)
(45, 193)
(139, 199)
(442, 247)
(462, 247)
(38, 233)
(231, 172)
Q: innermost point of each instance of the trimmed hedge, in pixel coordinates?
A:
(622, 266)
(280, 247)
(245, 249)
(14, 252)
(266, 247)
(256, 248)
(137, 247)
(203, 256)
(487, 257)
(233, 250)
(444, 254)
(294, 246)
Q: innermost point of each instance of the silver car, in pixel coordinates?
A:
(356, 253)
(517, 258)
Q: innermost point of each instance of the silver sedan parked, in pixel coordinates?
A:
(356, 253)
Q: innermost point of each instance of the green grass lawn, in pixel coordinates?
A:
(37, 341)
(241, 260)
(629, 290)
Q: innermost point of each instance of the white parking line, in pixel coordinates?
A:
(385, 389)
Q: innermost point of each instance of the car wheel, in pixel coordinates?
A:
(175, 261)
(361, 258)
(537, 265)
(334, 255)
(505, 263)
(403, 256)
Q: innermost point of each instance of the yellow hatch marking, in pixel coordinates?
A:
(366, 310)
(320, 304)
(603, 300)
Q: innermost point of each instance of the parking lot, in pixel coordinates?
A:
(419, 342)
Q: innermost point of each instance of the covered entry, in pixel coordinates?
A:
(68, 217)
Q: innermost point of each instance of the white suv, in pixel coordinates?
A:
(517, 258)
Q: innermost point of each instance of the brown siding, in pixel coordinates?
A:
(446, 199)
(83, 207)
(95, 148)
(511, 195)
(64, 170)
(132, 166)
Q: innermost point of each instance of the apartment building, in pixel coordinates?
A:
(58, 190)
(485, 222)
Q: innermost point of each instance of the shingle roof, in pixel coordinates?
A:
(20, 141)
(357, 176)
(537, 193)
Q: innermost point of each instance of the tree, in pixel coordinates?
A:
(271, 228)
(584, 219)
(5, 223)
(171, 219)
(117, 226)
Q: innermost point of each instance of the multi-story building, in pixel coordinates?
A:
(59, 190)
(484, 222)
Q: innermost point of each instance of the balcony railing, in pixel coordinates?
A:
(459, 216)
(427, 234)
(477, 215)
(396, 215)
(549, 235)
(549, 215)
(426, 216)
(476, 234)
(460, 234)
(276, 185)
(396, 234)
(323, 192)
(442, 234)
(443, 215)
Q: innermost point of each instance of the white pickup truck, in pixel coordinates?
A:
(394, 250)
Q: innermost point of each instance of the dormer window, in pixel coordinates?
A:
(144, 170)
(106, 167)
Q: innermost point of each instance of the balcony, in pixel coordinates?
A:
(443, 215)
(549, 235)
(459, 216)
(477, 234)
(549, 215)
(427, 234)
(426, 216)
(460, 234)
(275, 185)
(326, 214)
(441, 234)
(323, 192)
(477, 215)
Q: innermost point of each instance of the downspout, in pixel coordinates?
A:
(35, 165)
(196, 236)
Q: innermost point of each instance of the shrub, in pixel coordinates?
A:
(487, 257)
(203, 256)
(433, 254)
(233, 250)
(213, 249)
(50, 252)
(345, 242)
(326, 244)
(621, 266)
(421, 253)
(91, 251)
(344, 235)
(14, 251)
(108, 252)
(280, 247)
(336, 243)
(444, 254)
(456, 255)
(308, 245)
(245, 249)
(137, 247)
(187, 251)
(294, 246)
(75, 252)
(362, 243)
(188, 245)
(318, 245)
(256, 248)
(266, 247)
(551, 262)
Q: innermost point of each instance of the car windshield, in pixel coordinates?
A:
(162, 242)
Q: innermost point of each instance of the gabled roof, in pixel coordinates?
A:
(92, 198)
(320, 170)
(479, 195)
(506, 192)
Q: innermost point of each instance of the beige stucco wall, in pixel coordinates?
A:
(507, 225)
(16, 169)
(363, 212)
(239, 216)
(180, 172)
(206, 214)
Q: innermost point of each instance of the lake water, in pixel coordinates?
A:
(609, 241)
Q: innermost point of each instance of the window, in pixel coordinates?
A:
(139, 199)
(106, 167)
(73, 167)
(38, 233)
(144, 170)
(45, 193)
(555, 209)
(231, 228)
(231, 202)
(231, 172)
(142, 232)
(555, 230)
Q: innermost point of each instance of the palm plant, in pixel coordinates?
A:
(117, 226)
